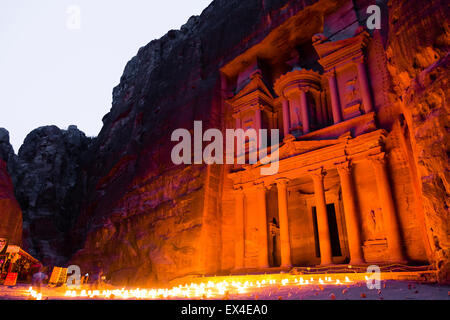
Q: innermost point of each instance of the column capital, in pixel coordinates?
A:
(378, 159)
(261, 186)
(318, 174)
(236, 114)
(239, 191)
(359, 60)
(258, 106)
(304, 89)
(331, 73)
(282, 181)
(344, 167)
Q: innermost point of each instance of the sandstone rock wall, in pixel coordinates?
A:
(49, 187)
(418, 62)
(10, 213)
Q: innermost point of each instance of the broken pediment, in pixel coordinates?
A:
(255, 88)
(333, 53)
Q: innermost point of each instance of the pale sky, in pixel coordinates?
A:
(58, 69)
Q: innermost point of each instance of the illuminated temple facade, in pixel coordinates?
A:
(361, 115)
(343, 192)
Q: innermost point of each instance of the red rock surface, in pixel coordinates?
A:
(10, 212)
(418, 61)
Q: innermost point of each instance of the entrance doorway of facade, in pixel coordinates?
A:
(274, 246)
(333, 228)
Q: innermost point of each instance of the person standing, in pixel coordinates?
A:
(38, 278)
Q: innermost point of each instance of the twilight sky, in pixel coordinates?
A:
(60, 59)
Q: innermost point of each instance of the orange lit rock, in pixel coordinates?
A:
(10, 212)
(419, 67)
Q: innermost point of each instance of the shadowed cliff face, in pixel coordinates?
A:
(418, 61)
(49, 187)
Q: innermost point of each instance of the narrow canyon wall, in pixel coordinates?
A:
(418, 62)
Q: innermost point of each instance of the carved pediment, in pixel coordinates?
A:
(332, 53)
(256, 88)
(293, 148)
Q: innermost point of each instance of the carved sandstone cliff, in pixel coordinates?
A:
(144, 218)
(418, 61)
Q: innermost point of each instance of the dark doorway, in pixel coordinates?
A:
(274, 245)
(333, 228)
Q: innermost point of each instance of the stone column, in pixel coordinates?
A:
(286, 117)
(364, 85)
(258, 124)
(351, 216)
(284, 223)
(238, 122)
(263, 259)
(239, 230)
(322, 217)
(238, 147)
(335, 102)
(390, 220)
(304, 111)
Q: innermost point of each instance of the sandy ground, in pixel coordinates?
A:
(390, 290)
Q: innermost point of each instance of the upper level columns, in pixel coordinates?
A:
(239, 229)
(364, 85)
(390, 219)
(263, 257)
(238, 120)
(304, 111)
(335, 102)
(294, 86)
(286, 117)
(322, 217)
(285, 243)
(351, 216)
(258, 124)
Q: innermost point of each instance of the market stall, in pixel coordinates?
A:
(16, 265)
